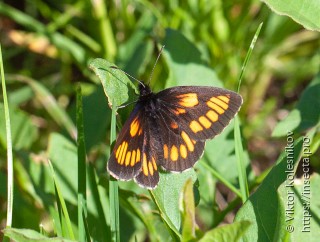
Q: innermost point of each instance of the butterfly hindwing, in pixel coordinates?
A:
(125, 160)
(133, 155)
(151, 154)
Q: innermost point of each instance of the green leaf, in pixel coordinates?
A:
(302, 209)
(188, 213)
(82, 171)
(263, 209)
(226, 233)
(304, 12)
(95, 125)
(28, 235)
(63, 155)
(170, 186)
(64, 216)
(116, 85)
(24, 133)
(306, 114)
(185, 64)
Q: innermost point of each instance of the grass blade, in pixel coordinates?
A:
(82, 177)
(103, 225)
(221, 178)
(9, 146)
(237, 135)
(253, 42)
(62, 202)
(113, 189)
(240, 161)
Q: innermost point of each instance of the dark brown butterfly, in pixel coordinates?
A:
(169, 129)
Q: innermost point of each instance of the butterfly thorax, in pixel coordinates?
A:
(147, 99)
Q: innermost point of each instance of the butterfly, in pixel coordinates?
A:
(169, 129)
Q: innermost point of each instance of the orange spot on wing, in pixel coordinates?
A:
(178, 111)
(224, 98)
(174, 125)
(133, 158)
(188, 99)
(220, 103)
(150, 166)
(165, 151)
(154, 164)
(212, 115)
(121, 147)
(134, 127)
(123, 154)
(128, 156)
(195, 126)
(188, 141)
(205, 122)
(138, 156)
(183, 151)
(145, 165)
(174, 153)
(215, 107)
(118, 151)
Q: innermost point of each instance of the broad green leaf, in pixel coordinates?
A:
(63, 156)
(305, 12)
(264, 209)
(116, 85)
(28, 235)
(306, 114)
(95, 126)
(170, 186)
(302, 204)
(185, 64)
(226, 233)
(24, 133)
(188, 212)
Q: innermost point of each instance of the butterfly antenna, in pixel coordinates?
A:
(150, 78)
(117, 68)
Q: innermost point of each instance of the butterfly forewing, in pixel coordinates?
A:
(202, 112)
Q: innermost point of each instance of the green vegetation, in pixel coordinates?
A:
(58, 87)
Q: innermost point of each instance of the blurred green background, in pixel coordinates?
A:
(47, 46)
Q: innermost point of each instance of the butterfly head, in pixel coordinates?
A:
(145, 90)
